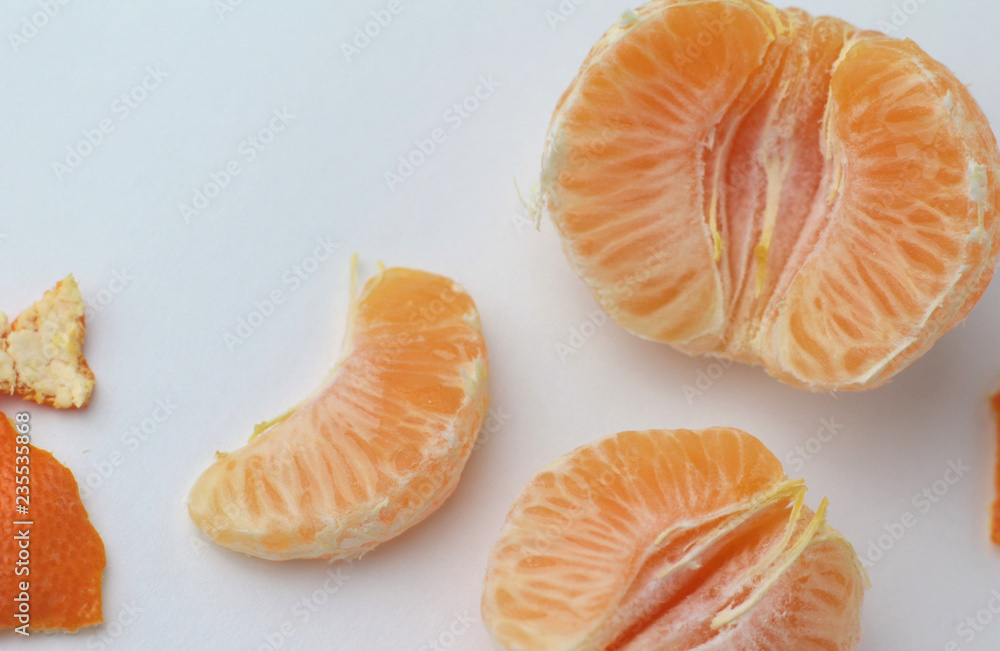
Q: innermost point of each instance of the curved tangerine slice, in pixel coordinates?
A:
(65, 554)
(377, 448)
(670, 540)
(784, 190)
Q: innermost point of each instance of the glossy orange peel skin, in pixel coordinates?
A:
(66, 558)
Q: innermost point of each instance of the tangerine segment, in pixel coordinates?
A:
(41, 353)
(65, 555)
(374, 450)
(670, 540)
(780, 189)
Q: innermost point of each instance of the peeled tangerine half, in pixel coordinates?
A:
(644, 541)
(783, 190)
(377, 448)
(51, 557)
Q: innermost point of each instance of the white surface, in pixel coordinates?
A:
(161, 337)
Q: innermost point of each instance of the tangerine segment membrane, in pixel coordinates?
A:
(660, 539)
(781, 189)
(909, 240)
(377, 448)
(641, 114)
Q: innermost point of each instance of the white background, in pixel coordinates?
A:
(161, 337)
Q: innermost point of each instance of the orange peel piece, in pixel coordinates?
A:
(41, 353)
(59, 554)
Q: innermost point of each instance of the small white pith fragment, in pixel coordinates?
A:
(977, 183)
(978, 195)
(629, 18)
(977, 235)
(949, 101)
(552, 160)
